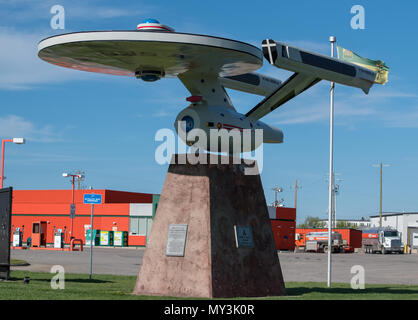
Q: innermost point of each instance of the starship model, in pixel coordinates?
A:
(206, 65)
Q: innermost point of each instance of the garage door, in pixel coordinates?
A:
(415, 239)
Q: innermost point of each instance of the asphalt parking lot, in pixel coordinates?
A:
(301, 267)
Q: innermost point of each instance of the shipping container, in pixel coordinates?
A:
(284, 234)
(282, 213)
(283, 224)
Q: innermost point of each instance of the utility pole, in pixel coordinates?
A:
(333, 202)
(80, 177)
(335, 189)
(296, 192)
(72, 214)
(335, 193)
(381, 165)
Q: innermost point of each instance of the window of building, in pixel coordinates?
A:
(140, 226)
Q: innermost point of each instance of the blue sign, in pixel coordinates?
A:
(91, 198)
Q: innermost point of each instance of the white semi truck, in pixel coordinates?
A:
(383, 240)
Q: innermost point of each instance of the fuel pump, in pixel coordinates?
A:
(17, 237)
(59, 238)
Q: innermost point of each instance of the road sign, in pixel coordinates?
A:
(72, 211)
(91, 198)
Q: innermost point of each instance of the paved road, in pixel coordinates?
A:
(385, 269)
(105, 260)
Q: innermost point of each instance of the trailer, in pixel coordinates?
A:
(318, 242)
(351, 238)
(383, 240)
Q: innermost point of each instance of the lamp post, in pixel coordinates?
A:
(275, 189)
(73, 176)
(3, 142)
(332, 39)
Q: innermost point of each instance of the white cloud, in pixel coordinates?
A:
(22, 69)
(89, 12)
(379, 108)
(24, 11)
(16, 126)
(405, 119)
(162, 113)
(389, 93)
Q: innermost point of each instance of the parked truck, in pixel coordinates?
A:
(383, 240)
(318, 242)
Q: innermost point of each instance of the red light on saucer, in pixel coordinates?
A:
(194, 99)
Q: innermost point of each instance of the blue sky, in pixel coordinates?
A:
(105, 125)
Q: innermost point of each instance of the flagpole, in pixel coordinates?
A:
(332, 39)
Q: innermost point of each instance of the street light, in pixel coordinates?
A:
(3, 141)
(73, 176)
(275, 189)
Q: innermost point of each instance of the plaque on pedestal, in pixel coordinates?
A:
(176, 240)
(244, 237)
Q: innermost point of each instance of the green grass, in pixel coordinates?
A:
(112, 287)
(15, 262)
(343, 291)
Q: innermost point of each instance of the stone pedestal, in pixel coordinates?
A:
(213, 201)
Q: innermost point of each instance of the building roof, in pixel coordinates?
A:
(354, 220)
(66, 196)
(388, 214)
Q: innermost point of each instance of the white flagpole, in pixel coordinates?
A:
(332, 39)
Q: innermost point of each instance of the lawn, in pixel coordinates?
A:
(112, 287)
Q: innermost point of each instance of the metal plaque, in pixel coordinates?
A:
(5, 231)
(176, 241)
(244, 237)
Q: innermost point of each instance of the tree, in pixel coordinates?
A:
(345, 224)
(312, 222)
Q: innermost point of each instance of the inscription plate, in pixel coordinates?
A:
(244, 237)
(176, 240)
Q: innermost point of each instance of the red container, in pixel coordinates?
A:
(284, 234)
(284, 213)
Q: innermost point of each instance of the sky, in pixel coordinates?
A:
(105, 125)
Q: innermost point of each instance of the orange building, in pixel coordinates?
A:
(119, 211)
(283, 223)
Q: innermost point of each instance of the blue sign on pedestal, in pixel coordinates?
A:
(91, 198)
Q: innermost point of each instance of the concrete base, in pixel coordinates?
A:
(211, 200)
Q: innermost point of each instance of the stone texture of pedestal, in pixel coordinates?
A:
(211, 199)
